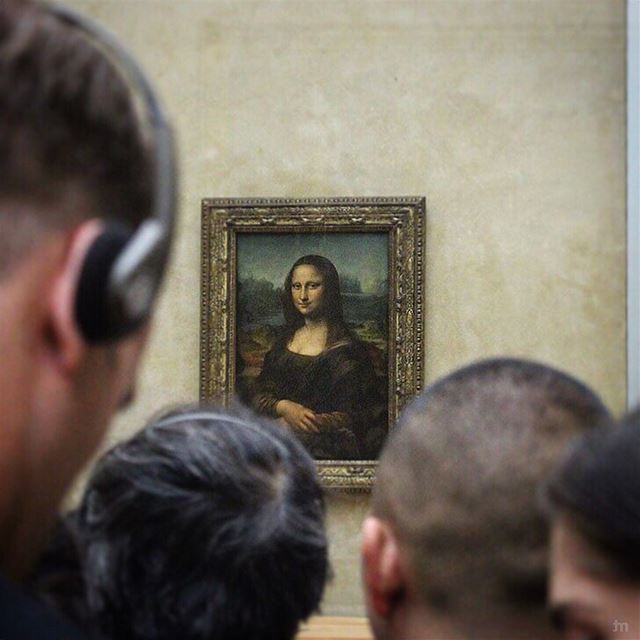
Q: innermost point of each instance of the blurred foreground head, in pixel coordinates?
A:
(594, 502)
(74, 163)
(203, 526)
(455, 547)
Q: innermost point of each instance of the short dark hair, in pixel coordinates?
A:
(210, 527)
(598, 487)
(457, 479)
(72, 146)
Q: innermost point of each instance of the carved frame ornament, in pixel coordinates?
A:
(400, 218)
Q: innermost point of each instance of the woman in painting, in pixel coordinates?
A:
(318, 378)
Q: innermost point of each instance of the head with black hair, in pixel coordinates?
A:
(455, 546)
(205, 525)
(593, 500)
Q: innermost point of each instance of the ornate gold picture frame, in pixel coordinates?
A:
(273, 272)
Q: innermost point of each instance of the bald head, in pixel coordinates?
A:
(457, 480)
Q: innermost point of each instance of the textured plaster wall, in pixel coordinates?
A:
(507, 115)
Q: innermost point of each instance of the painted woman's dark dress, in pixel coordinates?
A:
(339, 386)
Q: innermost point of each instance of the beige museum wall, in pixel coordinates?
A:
(507, 115)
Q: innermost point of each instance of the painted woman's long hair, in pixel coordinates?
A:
(331, 308)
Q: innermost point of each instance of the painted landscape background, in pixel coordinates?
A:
(264, 260)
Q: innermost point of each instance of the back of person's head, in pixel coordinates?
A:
(205, 525)
(87, 203)
(72, 145)
(456, 487)
(594, 502)
(87, 159)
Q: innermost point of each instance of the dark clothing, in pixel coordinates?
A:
(22, 618)
(339, 386)
(57, 579)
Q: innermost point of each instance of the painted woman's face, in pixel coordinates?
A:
(585, 600)
(307, 290)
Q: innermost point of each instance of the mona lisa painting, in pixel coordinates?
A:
(312, 316)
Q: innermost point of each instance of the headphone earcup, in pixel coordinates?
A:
(95, 318)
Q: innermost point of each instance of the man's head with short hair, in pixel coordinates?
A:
(73, 159)
(455, 495)
(72, 144)
(593, 501)
(205, 525)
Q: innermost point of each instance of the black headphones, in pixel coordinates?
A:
(123, 270)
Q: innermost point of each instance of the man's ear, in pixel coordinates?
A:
(384, 579)
(65, 339)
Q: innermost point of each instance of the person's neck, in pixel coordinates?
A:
(16, 379)
(29, 494)
(13, 499)
(30, 486)
(413, 623)
(421, 623)
(10, 508)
